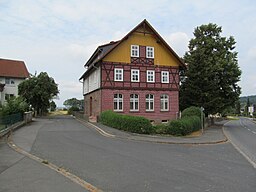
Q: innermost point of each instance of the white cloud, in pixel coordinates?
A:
(252, 54)
(179, 42)
(59, 36)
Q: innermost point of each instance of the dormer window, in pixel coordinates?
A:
(150, 52)
(135, 51)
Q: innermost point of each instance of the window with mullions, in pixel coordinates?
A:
(150, 76)
(165, 76)
(118, 102)
(150, 52)
(134, 102)
(149, 102)
(135, 51)
(118, 74)
(135, 75)
(164, 102)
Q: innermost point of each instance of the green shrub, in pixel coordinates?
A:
(184, 126)
(71, 109)
(160, 129)
(191, 111)
(134, 124)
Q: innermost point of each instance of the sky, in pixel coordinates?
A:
(59, 36)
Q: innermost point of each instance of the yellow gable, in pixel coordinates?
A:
(122, 53)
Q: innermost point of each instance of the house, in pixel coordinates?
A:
(137, 75)
(12, 73)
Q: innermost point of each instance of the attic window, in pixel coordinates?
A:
(150, 52)
(135, 51)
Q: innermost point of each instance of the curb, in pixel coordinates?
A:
(106, 134)
(13, 127)
(62, 171)
(239, 150)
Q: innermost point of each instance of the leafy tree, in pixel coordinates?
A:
(53, 106)
(213, 73)
(73, 103)
(248, 104)
(38, 91)
(238, 107)
(15, 105)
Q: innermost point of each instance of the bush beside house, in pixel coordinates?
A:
(189, 123)
(128, 123)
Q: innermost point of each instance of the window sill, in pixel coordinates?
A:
(150, 111)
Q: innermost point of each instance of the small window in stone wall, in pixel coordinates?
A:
(149, 102)
(164, 102)
(134, 102)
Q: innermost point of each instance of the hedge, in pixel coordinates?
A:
(191, 111)
(134, 124)
(184, 126)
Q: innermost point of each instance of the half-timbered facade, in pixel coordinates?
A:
(138, 75)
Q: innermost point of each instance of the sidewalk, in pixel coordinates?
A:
(211, 135)
(20, 173)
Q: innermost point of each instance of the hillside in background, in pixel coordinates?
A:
(252, 99)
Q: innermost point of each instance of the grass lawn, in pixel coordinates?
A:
(232, 118)
(58, 112)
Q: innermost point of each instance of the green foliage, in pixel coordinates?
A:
(160, 128)
(14, 106)
(71, 109)
(211, 80)
(132, 124)
(53, 106)
(252, 99)
(184, 126)
(38, 91)
(191, 111)
(75, 103)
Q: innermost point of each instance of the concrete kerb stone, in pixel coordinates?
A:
(153, 139)
(13, 127)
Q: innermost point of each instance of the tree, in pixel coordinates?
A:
(213, 73)
(15, 105)
(248, 104)
(73, 103)
(38, 91)
(53, 106)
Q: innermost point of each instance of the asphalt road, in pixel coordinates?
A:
(242, 133)
(113, 164)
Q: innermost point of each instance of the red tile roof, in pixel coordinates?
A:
(13, 68)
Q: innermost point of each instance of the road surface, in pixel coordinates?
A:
(113, 164)
(242, 133)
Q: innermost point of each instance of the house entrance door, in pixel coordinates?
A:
(90, 106)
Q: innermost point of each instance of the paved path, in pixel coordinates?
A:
(212, 135)
(19, 173)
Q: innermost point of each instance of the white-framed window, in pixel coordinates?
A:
(9, 81)
(9, 96)
(135, 75)
(164, 102)
(118, 74)
(165, 76)
(149, 102)
(150, 52)
(134, 102)
(118, 102)
(135, 50)
(151, 76)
